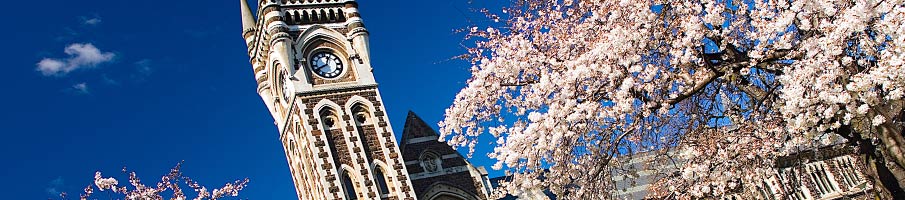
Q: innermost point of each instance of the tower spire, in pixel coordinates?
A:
(248, 19)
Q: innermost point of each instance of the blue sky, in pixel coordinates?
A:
(103, 84)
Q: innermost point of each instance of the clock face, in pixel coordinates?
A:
(284, 82)
(326, 65)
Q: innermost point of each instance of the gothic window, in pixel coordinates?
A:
(349, 186)
(305, 19)
(329, 123)
(342, 15)
(288, 17)
(332, 15)
(296, 19)
(314, 17)
(430, 162)
(381, 180)
(362, 118)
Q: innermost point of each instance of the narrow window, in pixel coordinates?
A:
(296, 18)
(305, 18)
(366, 132)
(332, 15)
(288, 17)
(342, 15)
(349, 186)
(314, 17)
(381, 182)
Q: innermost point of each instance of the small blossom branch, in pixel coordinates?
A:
(169, 185)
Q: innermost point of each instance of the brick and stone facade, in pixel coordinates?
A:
(311, 62)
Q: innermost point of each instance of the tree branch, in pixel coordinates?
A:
(516, 84)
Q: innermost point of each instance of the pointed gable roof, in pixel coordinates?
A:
(418, 136)
(415, 127)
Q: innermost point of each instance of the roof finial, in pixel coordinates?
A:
(248, 19)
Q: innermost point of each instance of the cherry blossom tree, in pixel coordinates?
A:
(572, 88)
(169, 185)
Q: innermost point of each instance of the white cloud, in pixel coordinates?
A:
(81, 88)
(92, 21)
(80, 56)
(50, 66)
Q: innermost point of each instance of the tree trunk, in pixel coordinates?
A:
(885, 181)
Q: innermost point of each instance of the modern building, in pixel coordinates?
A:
(311, 61)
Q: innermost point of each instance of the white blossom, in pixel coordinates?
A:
(569, 87)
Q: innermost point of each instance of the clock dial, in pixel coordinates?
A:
(284, 83)
(326, 65)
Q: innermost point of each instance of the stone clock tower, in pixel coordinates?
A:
(312, 64)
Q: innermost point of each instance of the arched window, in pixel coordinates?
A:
(332, 15)
(292, 145)
(330, 121)
(366, 133)
(314, 17)
(288, 17)
(305, 19)
(431, 162)
(349, 186)
(342, 15)
(381, 180)
(296, 18)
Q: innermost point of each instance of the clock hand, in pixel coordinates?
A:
(319, 67)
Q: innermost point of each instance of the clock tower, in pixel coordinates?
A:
(311, 61)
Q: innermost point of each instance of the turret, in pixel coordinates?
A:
(357, 31)
(249, 23)
(280, 40)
